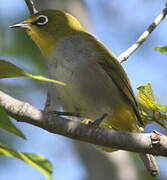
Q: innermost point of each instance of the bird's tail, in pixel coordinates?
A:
(150, 163)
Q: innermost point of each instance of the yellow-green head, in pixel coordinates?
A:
(47, 27)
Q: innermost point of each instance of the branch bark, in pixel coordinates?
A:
(31, 7)
(149, 143)
(124, 56)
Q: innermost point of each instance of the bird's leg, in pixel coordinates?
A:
(97, 122)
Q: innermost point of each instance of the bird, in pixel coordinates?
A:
(97, 87)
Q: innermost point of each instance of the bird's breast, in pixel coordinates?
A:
(88, 91)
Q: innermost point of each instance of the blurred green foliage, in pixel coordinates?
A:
(162, 49)
(38, 162)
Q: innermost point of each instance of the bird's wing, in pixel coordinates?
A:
(113, 68)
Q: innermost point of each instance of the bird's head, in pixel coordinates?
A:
(47, 27)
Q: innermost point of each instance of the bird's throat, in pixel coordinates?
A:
(47, 47)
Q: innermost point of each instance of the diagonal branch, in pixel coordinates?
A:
(31, 7)
(124, 56)
(150, 143)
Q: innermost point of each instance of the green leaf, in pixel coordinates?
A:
(6, 124)
(8, 70)
(162, 49)
(147, 99)
(149, 117)
(37, 161)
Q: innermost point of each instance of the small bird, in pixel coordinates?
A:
(97, 86)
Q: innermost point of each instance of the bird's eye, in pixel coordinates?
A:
(41, 20)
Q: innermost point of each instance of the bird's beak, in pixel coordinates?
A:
(23, 25)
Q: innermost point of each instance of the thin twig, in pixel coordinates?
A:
(31, 7)
(124, 56)
(150, 163)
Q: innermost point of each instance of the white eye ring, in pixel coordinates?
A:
(42, 20)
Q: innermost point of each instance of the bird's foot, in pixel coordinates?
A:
(97, 122)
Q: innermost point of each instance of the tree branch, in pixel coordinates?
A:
(150, 143)
(31, 7)
(124, 56)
